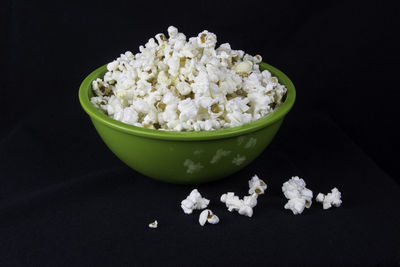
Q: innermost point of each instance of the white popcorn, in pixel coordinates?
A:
(231, 201)
(206, 39)
(100, 102)
(251, 200)
(194, 201)
(183, 88)
(331, 199)
(246, 211)
(187, 85)
(153, 224)
(101, 88)
(299, 196)
(208, 216)
(172, 31)
(320, 197)
(188, 109)
(296, 205)
(114, 105)
(256, 185)
(127, 115)
(243, 206)
(243, 68)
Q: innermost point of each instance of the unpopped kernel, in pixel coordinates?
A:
(182, 84)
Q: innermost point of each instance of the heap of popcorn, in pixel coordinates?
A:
(187, 85)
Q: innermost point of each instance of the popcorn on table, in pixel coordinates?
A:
(194, 201)
(245, 206)
(153, 224)
(331, 199)
(299, 196)
(208, 216)
(182, 84)
(256, 185)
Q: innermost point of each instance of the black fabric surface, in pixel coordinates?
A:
(58, 210)
(66, 200)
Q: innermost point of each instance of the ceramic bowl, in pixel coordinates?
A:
(187, 157)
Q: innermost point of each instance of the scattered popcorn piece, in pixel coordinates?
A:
(208, 216)
(331, 199)
(187, 84)
(256, 185)
(194, 201)
(246, 211)
(231, 201)
(320, 197)
(251, 200)
(243, 206)
(299, 196)
(153, 224)
(296, 205)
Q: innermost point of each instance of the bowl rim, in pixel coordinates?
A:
(278, 114)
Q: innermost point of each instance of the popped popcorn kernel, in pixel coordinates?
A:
(256, 185)
(153, 224)
(194, 201)
(299, 197)
(245, 206)
(207, 216)
(331, 199)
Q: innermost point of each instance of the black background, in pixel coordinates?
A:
(66, 200)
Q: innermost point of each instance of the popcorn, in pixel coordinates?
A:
(231, 201)
(153, 224)
(181, 84)
(296, 205)
(100, 102)
(299, 196)
(188, 109)
(172, 31)
(256, 185)
(243, 68)
(194, 201)
(208, 216)
(101, 88)
(245, 206)
(251, 200)
(246, 211)
(127, 115)
(206, 39)
(331, 199)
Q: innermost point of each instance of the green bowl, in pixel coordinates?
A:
(186, 157)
